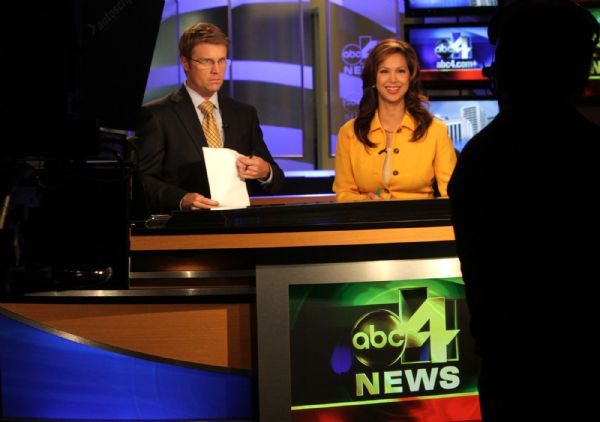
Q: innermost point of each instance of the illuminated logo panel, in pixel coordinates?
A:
(451, 52)
(353, 56)
(381, 345)
(595, 70)
(593, 87)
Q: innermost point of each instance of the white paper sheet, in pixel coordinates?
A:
(226, 187)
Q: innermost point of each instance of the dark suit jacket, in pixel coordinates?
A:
(170, 141)
(523, 204)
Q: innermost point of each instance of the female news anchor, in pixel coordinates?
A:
(394, 148)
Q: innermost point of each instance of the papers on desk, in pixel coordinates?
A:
(226, 187)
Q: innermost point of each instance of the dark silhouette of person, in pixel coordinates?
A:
(525, 217)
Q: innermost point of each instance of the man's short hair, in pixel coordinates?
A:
(201, 32)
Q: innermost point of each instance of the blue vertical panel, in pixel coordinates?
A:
(355, 27)
(270, 71)
(44, 375)
(166, 74)
(272, 46)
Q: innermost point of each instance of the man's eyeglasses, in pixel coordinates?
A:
(206, 63)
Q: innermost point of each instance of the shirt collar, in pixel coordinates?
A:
(198, 99)
(408, 122)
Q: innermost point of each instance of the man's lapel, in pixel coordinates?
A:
(184, 108)
(229, 126)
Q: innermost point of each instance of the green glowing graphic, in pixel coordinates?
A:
(380, 338)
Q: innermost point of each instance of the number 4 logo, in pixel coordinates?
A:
(428, 338)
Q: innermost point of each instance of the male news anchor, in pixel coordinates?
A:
(173, 130)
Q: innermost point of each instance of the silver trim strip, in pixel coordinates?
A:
(144, 275)
(188, 292)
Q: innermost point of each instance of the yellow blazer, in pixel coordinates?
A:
(414, 166)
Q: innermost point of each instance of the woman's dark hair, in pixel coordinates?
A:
(413, 99)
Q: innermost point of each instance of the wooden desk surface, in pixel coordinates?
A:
(292, 199)
(290, 239)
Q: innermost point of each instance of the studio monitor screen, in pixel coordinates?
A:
(451, 54)
(464, 116)
(450, 7)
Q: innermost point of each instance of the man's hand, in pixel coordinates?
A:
(194, 201)
(253, 167)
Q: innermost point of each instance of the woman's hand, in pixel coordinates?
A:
(374, 196)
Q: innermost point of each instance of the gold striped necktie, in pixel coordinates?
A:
(209, 125)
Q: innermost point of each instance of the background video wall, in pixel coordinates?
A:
(271, 66)
(299, 63)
